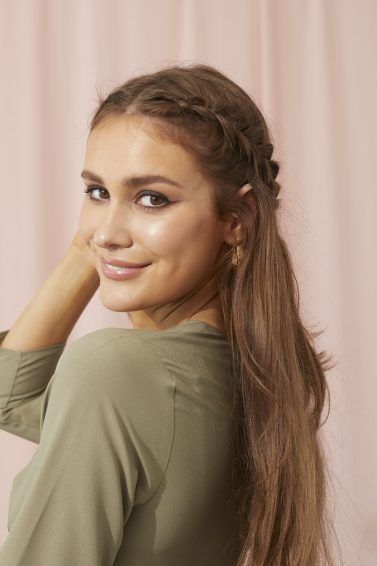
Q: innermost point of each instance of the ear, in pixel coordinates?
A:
(232, 226)
(232, 230)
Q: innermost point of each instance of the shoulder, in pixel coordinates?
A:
(115, 368)
(101, 344)
(114, 352)
(109, 389)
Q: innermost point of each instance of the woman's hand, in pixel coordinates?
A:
(81, 248)
(53, 311)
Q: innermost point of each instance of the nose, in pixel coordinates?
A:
(112, 233)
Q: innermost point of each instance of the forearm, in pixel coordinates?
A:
(52, 313)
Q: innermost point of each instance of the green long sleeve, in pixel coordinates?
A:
(133, 464)
(24, 376)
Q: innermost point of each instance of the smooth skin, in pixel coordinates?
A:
(180, 241)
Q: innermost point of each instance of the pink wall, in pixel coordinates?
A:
(310, 65)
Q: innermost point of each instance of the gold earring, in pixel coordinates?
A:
(236, 256)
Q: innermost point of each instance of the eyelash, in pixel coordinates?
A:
(91, 188)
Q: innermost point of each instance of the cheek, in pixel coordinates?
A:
(164, 237)
(180, 239)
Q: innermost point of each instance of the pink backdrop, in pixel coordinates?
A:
(310, 64)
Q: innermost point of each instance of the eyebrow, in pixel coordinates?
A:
(132, 182)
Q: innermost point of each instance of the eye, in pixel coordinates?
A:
(148, 193)
(153, 195)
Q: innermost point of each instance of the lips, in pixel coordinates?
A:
(119, 263)
(120, 273)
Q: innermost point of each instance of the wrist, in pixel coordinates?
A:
(80, 263)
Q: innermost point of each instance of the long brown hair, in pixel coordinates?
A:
(279, 377)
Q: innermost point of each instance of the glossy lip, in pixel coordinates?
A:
(125, 274)
(120, 263)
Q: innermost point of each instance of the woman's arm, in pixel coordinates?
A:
(31, 349)
(52, 313)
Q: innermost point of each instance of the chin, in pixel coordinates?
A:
(119, 300)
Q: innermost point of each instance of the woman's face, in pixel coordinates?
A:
(175, 232)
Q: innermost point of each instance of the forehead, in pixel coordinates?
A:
(132, 142)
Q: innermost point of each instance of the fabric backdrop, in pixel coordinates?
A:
(310, 65)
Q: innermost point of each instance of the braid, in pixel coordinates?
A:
(258, 155)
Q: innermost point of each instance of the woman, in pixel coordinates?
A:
(191, 438)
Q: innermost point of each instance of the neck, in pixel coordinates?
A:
(151, 319)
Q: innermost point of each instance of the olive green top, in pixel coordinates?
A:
(133, 465)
